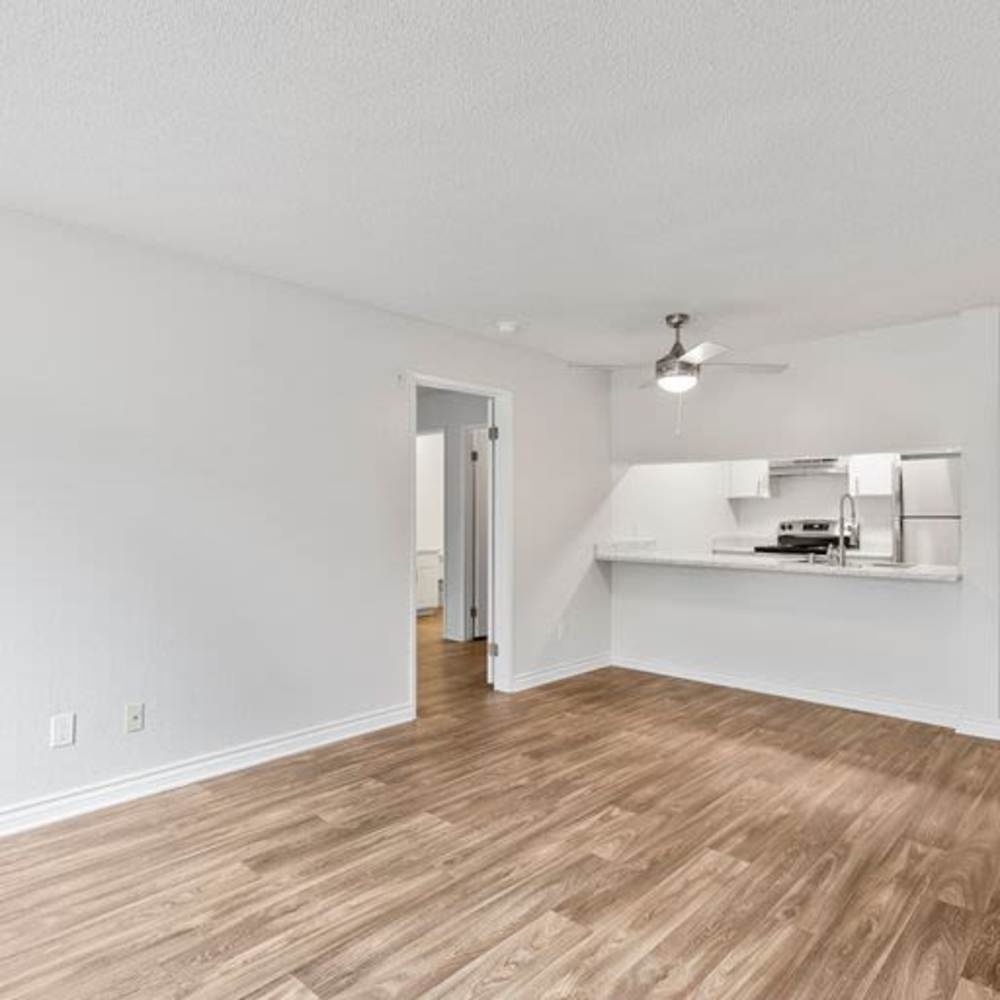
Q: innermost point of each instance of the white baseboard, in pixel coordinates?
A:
(63, 805)
(37, 812)
(522, 682)
(988, 729)
(929, 714)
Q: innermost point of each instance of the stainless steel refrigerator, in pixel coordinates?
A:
(928, 501)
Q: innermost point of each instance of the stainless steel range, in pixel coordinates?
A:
(813, 535)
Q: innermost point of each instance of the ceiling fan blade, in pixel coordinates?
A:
(749, 368)
(702, 353)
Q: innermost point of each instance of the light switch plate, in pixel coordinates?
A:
(135, 717)
(62, 729)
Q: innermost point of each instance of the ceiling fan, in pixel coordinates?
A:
(679, 369)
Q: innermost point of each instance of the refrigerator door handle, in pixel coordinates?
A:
(896, 511)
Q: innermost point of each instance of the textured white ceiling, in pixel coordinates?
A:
(782, 170)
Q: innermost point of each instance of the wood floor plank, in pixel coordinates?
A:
(600, 965)
(612, 835)
(847, 958)
(497, 971)
(760, 959)
(286, 988)
(982, 965)
(967, 990)
(970, 869)
(927, 959)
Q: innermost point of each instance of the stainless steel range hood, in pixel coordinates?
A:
(825, 466)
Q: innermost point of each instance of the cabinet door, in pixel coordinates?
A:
(750, 478)
(428, 575)
(871, 475)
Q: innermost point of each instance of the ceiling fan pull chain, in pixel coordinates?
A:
(680, 414)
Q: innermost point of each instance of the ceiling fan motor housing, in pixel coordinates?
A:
(671, 364)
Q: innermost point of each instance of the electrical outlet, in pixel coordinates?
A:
(62, 729)
(135, 717)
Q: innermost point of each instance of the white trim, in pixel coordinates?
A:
(522, 682)
(987, 729)
(411, 605)
(502, 622)
(929, 714)
(37, 812)
(453, 385)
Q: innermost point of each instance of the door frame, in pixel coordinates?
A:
(501, 625)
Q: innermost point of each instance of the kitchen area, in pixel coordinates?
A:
(887, 515)
(840, 579)
(910, 626)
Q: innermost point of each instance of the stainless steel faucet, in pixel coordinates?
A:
(842, 543)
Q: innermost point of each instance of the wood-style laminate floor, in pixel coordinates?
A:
(615, 835)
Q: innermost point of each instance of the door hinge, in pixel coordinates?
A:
(493, 433)
(473, 612)
(475, 456)
(493, 649)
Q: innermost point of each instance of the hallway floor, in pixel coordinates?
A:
(450, 675)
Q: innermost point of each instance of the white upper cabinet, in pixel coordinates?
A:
(749, 478)
(871, 475)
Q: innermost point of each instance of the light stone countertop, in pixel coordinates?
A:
(646, 554)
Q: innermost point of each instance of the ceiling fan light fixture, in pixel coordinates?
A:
(677, 382)
(674, 375)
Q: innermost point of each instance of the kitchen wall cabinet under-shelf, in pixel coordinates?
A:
(749, 478)
(871, 475)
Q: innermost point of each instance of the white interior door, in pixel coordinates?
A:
(479, 530)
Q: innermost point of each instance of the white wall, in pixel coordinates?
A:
(452, 413)
(927, 650)
(441, 409)
(681, 505)
(430, 492)
(206, 505)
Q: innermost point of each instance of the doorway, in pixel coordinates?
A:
(460, 608)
